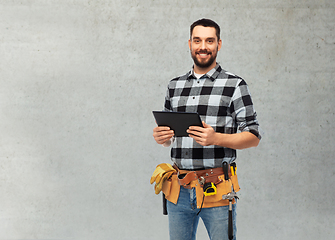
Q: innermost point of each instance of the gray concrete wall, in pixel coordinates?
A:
(78, 82)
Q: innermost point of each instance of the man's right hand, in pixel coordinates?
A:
(162, 134)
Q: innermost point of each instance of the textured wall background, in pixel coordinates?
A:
(80, 78)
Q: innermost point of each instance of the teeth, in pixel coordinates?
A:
(203, 55)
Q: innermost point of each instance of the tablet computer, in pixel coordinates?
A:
(179, 122)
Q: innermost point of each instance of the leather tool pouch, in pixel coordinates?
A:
(171, 189)
(234, 181)
(184, 179)
(187, 179)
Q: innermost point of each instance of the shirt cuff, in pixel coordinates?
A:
(168, 143)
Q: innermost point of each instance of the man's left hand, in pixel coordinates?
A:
(205, 136)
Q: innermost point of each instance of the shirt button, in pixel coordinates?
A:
(193, 97)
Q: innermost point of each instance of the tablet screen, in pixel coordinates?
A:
(179, 122)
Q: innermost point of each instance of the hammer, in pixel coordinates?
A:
(230, 196)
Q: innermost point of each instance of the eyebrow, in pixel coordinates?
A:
(209, 38)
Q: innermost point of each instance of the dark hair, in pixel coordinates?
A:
(206, 23)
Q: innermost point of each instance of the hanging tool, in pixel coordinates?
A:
(230, 196)
(225, 167)
(209, 189)
(233, 168)
(164, 205)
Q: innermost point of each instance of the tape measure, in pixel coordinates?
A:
(209, 189)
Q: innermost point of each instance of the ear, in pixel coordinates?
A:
(189, 44)
(219, 44)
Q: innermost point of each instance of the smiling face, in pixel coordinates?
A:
(204, 46)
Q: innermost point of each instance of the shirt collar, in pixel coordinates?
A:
(211, 74)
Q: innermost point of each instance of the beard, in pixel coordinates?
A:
(203, 63)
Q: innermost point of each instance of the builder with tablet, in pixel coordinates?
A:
(224, 105)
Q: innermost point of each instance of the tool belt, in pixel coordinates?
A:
(203, 176)
(197, 179)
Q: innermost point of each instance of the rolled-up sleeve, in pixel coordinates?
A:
(167, 103)
(243, 110)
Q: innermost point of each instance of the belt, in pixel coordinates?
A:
(203, 176)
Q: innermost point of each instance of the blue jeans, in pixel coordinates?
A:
(183, 218)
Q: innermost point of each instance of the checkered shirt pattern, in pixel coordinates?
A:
(223, 101)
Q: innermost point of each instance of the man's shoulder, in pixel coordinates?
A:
(228, 76)
(179, 81)
(223, 74)
(224, 78)
(181, 77)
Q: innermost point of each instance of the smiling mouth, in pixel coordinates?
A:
(203, 55)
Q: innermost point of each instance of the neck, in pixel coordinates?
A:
(200, 70)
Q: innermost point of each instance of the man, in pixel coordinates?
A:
(224, 104)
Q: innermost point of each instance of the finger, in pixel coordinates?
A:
(195, 131)
(195, 135)
(162, 133)
(161, 128)
(163, 140)
(195, 128)
(160, 138)
(198, 140)
(163, 136)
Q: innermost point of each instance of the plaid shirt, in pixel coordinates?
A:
(223, 101)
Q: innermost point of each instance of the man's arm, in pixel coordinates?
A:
(206, 136)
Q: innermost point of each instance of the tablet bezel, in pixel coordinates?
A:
(179, 122)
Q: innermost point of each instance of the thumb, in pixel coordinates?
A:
(205, 125)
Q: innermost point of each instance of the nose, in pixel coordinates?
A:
(203, 45)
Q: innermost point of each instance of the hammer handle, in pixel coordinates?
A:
(230, 222)
(225, 166)
(164, 205)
